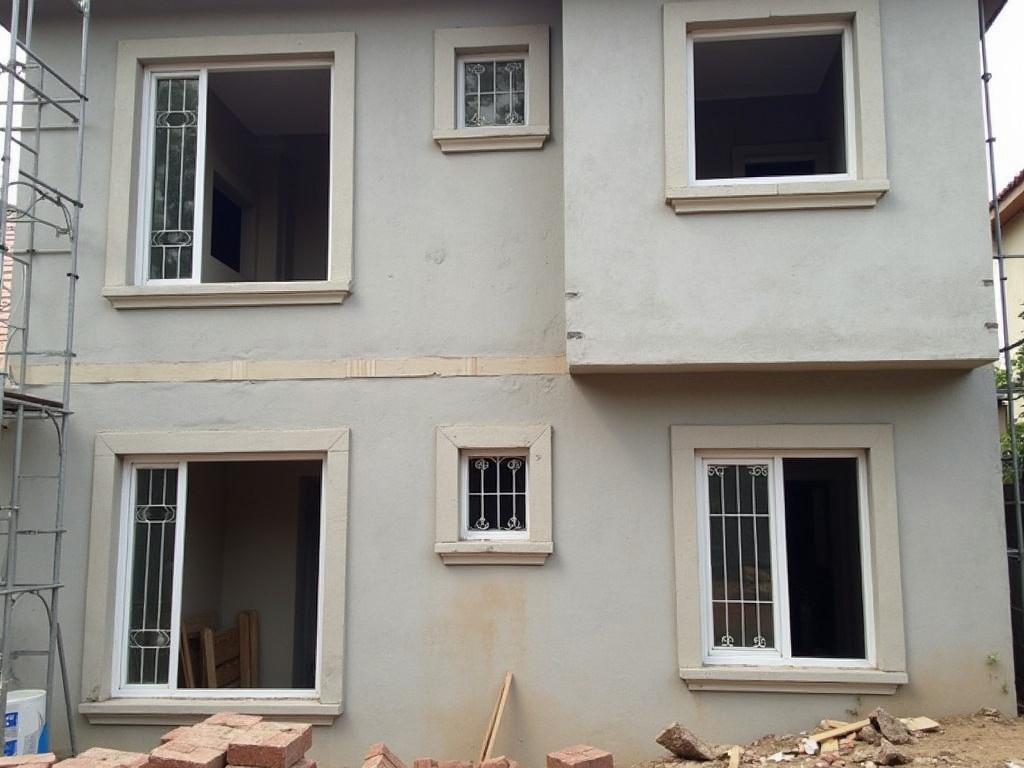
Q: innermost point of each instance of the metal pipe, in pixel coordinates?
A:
(1011, 416)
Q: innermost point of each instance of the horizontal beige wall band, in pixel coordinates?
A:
(285, 370)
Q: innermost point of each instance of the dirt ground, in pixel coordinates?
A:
(974, 740)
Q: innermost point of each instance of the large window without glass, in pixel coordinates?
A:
(783, 559)
(220, 567)
(770, 104)
(235, 183)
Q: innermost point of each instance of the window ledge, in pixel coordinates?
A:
(226, 294)
(789, 195)
(486, 139)
(181, 711)
(494, 552)
(792, 679)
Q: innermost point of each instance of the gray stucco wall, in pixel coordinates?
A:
(462, 255)
(901, 282)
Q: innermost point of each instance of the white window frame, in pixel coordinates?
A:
(782, 31)
(467, 532)
(781, 654)
(122, 689)
(460, 77)
(145, 173)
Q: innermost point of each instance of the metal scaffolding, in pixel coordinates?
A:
(41, 184)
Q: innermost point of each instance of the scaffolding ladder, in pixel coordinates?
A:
(43, 129)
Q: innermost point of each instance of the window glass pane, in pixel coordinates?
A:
(826, 604)
(496, 489)
(155, 514)
(769, 106)
(740, 556)
(495, 92)
(175, 137)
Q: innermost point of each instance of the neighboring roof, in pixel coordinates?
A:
(1011, 199)
(992, 9)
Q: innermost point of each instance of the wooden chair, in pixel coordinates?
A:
(231, 657)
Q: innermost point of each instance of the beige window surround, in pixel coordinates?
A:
(876, 440)
(133, 56)
(869, 182)
(451, 442)
(112, 449)
(449, 44)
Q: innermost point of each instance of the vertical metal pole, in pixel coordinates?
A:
(12, 515)
(66, 391)
(1000, 257)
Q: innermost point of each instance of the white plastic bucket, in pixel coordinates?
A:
(23, 722)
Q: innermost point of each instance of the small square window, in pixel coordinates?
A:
(493, 494)
(770, 105)
(491, 88)
(495, 497)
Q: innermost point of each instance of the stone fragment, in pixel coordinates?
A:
(454, 764)
(424, 762)
(233, 720)
(580, 756)
(862, 755)
(869, 735)
(184, 754)
(891, 728)
(888, 754)
(683, 743)
(41, 760)
(115, 758)
(495, 762)
(272, 747)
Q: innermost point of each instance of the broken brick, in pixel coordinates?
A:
(177, 733)
(580, 756)
(233, 720)
(115, 758)
(890, 727)
(45, 759)
(304, 731)
(424, 762)
(454, 764)
(267, 748)
(684, 743)
(495, 762)
(380, 749)
(184, 754)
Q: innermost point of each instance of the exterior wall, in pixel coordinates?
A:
(590, 635)
(898, 284)
(461, 255)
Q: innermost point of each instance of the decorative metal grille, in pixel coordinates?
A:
(175, 142)
(741, 570)
(152, 575)
(494, 92)
(496, 491)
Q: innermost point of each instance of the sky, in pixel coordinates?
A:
(1006, 63)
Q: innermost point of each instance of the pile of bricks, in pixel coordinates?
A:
(244, 741)
(45, 760)
(579, 756)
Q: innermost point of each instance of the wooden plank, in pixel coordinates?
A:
(226, 646)
(228, 674)
(244, 651)
(920, 724)
(501, 710)
(209, 660)
(834, 723)
(254, 648)
(829, 745)
(185, 658)
(490, 726)
(735, 753)
(839, 732)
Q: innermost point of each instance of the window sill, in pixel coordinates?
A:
(792, 679)
(487, 139)
(494, 552)
(182, 711)
(226, 294)
(789, 195)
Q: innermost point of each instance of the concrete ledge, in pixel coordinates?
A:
(494, 552)
(182, 711)
(791, 195)
(226, 294)
(487, 139)
(792, 679)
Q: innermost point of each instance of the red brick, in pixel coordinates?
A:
(380, 749)
(47, 758)
(184, 754)
(233, 720)
(580, 756)
(81, 762)
(424, 762)
(268, 748)
(115, 758)
(495, 762)
(305, 731)
(176, 733)
(454, 764)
